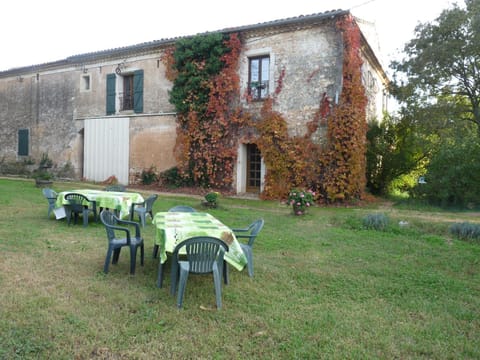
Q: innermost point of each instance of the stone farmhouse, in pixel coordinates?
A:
(108, 112)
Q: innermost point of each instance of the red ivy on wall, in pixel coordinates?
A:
(207, 142)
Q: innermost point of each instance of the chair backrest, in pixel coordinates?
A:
(110, 221)
(117, 187)
(202, 253)
(50, 195)
(255, 228)
(182, 208)
(149, 202)
(76, 201)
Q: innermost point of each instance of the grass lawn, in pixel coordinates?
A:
(324, 287)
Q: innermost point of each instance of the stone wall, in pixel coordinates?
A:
(54, 100)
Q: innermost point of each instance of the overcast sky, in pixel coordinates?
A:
(39, 31)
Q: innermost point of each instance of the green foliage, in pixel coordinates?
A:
(149, 175)
(377, 221)
(466, 231)
(174, 179)
(197, 59)
(321, 290)
(45, 161)
(205, 86)
(394, 149)
(212, 197)
(449, 68)
(453, 175)
(300, 200)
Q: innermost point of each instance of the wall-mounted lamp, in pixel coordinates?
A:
(120, 67)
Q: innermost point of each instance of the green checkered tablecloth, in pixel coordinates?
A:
(174, 227)
(117, 201)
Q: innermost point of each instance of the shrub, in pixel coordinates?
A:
(211, 199)
(149, 176)
(172, 178)
(466, 231)
(375, 222)
(452, 176)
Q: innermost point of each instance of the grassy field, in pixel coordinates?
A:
(324, 287)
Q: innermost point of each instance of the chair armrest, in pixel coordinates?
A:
(240, 230)
(132, 223)
(119, 228)
(244, 236)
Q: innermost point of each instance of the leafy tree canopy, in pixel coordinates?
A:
(443, 62)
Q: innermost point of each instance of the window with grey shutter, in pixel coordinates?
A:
(23, 142)
(111, 80)
(138, 91)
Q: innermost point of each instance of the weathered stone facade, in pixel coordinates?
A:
(54, 100)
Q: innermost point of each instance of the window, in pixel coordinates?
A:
(85, 83)
(23, 142)
(259, 77)
(129, 95)
(254, 167)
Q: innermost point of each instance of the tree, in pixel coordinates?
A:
(395, 148)
(443, 61)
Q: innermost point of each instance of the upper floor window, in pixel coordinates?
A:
(85, 83)
(259, 77)
(127, 97)
(125, 92)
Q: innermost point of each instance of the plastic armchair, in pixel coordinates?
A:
(78, 204)
(116, 243)
(250, 233)
(117, 187)
(178, 208)
(182, 208)
(204, 255)
(145, 208)
(51, 197)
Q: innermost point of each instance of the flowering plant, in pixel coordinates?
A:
(300, 200)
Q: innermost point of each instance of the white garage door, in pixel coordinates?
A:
(106, 149)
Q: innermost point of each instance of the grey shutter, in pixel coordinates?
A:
(138, 91)
(111, 80)
(23, 142)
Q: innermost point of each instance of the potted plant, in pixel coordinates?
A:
(42, 176)
(300, 200)
(211, 199)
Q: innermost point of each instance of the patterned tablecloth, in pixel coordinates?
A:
(121, 202)
(174, 227)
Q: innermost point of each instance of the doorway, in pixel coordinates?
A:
(254, 169)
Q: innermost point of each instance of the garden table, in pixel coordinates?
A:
(171, 228)
(120, 202)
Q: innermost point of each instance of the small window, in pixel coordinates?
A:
(259, 77)
(23, 142)
(85, 83)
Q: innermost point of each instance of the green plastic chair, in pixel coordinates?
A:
(182, 208)
(178, 208)
(115, 243)
(204, 256)
(77, 205)
(51, 197)
(250, 233)
(144, 208)
(117, 187)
